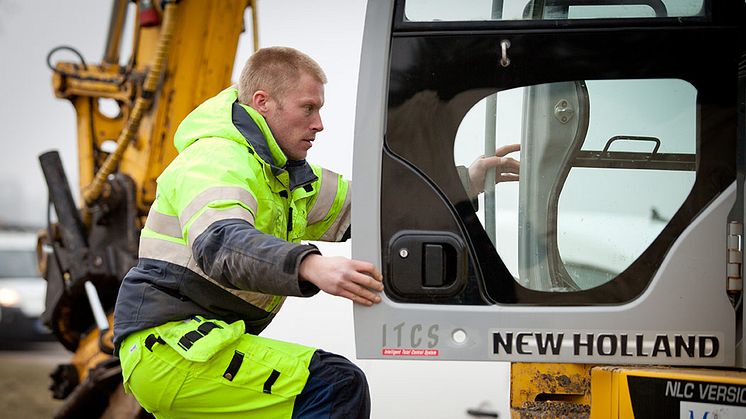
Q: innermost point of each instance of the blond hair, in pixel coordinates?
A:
(275, 70)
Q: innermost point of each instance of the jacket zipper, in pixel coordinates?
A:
(290, 221)
(286, 195)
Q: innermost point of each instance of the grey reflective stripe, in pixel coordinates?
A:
(178, 254)
(168, 225)
(325, 198)
(257, 299)
(211, 215)
(221, 193)
(338, 228)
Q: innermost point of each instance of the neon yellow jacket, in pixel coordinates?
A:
(222, 238)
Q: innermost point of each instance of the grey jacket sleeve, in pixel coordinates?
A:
(237, 255)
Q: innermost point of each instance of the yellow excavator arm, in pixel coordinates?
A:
(127, 113)
(181, 57)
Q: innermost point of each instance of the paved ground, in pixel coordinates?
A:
(24, 380)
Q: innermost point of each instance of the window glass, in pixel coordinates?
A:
(485, 10)
(604, 166)
(18, 264)
(501, 221)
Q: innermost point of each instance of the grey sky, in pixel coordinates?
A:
(33, 120)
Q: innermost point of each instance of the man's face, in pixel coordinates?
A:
(295, 118)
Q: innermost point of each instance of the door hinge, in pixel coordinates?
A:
(735, 257)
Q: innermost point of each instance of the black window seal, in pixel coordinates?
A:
(402, 25)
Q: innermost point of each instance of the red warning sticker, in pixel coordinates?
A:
(408, 352)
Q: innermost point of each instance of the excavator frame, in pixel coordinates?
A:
(127, 111)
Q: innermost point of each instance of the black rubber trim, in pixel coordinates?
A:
(151, 340)
(234, 366)
(189, 338)
(270, 381)
(207, 327)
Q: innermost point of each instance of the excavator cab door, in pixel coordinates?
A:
(613, 245)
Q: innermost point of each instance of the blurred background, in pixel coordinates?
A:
(34, 121)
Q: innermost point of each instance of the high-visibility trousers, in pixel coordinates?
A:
(203, 368)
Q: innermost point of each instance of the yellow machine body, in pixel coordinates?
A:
(579, 391)
(127, 113)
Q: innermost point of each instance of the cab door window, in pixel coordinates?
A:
(617, 158)
(605, 166)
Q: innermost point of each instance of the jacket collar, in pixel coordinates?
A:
(299, 171)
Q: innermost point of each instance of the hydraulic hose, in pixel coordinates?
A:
(142, 104)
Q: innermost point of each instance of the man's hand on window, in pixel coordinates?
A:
(507, 168)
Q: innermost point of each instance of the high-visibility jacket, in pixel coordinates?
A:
(222, 239)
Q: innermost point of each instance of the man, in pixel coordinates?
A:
(221, 249)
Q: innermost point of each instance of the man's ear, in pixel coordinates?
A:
(259, 101)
